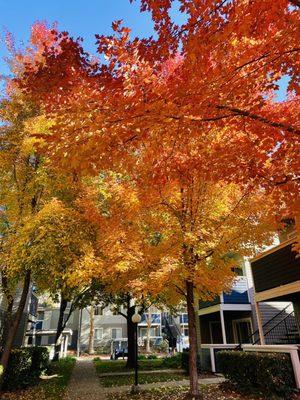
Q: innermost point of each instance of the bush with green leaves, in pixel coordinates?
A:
(185, 361)
(142, 357)
(270, 374)
(24, 367)
(103, 349)
(152, 357)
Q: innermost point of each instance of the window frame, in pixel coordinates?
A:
(119, 329)
(95, 335)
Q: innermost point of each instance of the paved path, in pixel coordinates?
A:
(143, 371)
(84, 383)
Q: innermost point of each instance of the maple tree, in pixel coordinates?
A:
(110, 203)
(21, 192)
(34, 224)
(193, 108)
(53, 245)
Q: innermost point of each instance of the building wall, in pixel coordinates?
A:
(268, 310)
(106, 323)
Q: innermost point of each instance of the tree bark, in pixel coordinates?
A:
(60, 327)
(7, 322)
(194, 388)
(130, 335)
(91, 350)
(11, 334)
(8, 313)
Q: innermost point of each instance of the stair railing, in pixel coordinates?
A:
(286, 326)
(256, 333)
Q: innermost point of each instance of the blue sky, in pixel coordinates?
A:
(82, 18)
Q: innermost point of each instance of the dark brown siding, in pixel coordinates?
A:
(278, 268)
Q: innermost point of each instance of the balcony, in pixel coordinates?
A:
(33, 306)
(155, 319)
(277, 269)
(237, 295)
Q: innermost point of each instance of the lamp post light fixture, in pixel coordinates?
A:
(136, 319)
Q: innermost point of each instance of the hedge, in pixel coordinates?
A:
(25, 366)
(185, 361)
(270, 374)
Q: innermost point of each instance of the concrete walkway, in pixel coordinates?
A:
(84, 383)
(152, 371)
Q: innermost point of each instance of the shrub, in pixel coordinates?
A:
(39, 360)
(24, 367)
(152, 357)
(162, 347)
(103, 349)
(142, 357)
(173, 362)
(185, 361)
(270, 374)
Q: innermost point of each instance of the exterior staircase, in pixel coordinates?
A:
(170, 329)
(280, 329)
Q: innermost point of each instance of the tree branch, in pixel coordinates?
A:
(248, 114)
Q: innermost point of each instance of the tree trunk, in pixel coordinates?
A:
(91, 350)
(130, 335)
(60, 327)
(8, 313)
(194, 389)
(6, 322)
(11, 334)
(148, 348)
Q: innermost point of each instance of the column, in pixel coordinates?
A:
(61, 353)
(259, 323)
(223, 326)
(66, 345)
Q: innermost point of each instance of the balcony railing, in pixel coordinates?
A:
(238, 294)
(33, 305)
(155, 318)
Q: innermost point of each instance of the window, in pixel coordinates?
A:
(116, 333)
(153, 332)
(51, 340)
(98, 310)
(39, 325)
(242, 330)
(183, 318)
(216, 335)
(185, 331)
(40, 315)
(98, 334)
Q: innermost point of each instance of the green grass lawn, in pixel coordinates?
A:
(52, 389)
(210, 392)
(103, 366)
(123, 380)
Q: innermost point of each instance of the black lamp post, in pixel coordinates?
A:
(136, 319)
